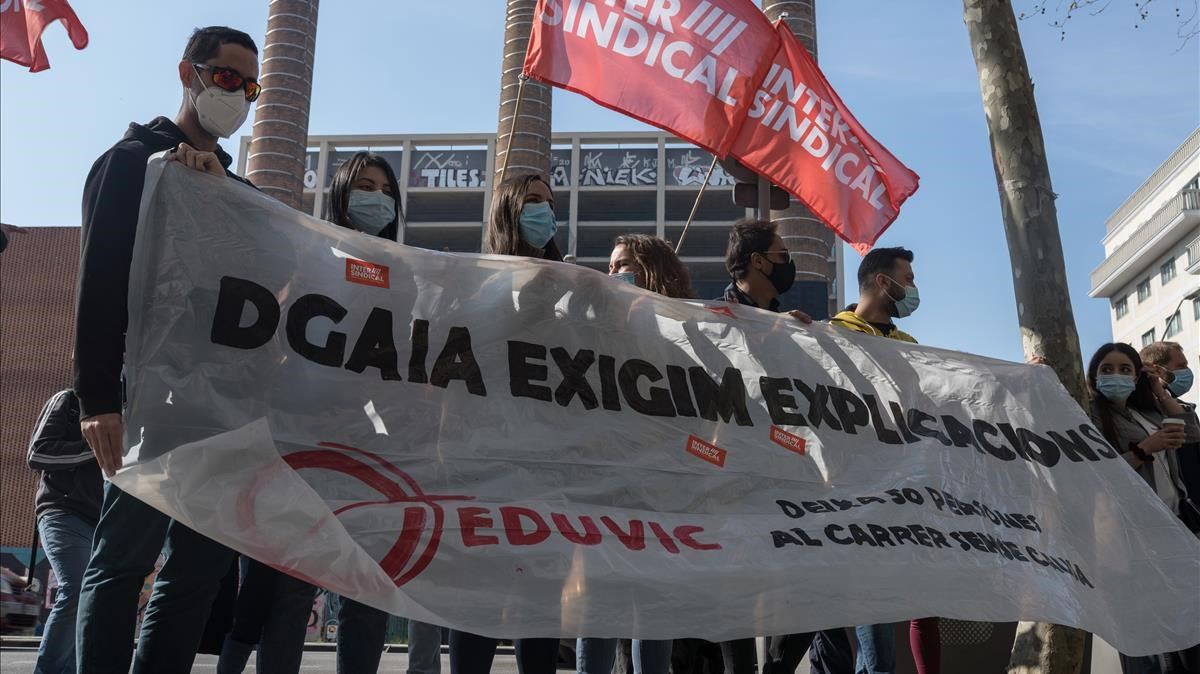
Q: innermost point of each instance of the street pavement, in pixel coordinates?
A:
(20, 661)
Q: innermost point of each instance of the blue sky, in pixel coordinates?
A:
(1114, 101)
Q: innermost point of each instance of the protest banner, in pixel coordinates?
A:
(517, 447)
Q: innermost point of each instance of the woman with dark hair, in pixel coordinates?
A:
(651, 263)
(363, 195)
(522, 223)
(273, 608)
(1146, 425)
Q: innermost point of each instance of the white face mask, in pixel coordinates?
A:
(220, 112)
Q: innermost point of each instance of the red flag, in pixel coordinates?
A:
(21, 26)
(801, 136)
(687, 66)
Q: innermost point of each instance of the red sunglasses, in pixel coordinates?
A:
(231, 80)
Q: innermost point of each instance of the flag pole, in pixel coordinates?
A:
(512, 127)
(695, 206)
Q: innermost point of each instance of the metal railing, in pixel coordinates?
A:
(1186, 200)
(1180, 155)
(1193, 256)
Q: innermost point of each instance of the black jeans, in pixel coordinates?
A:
(829, 652)
(473, 654)
(739, 656)
(126, 545)
(1186, 661)
(696, 656)
(362, 630)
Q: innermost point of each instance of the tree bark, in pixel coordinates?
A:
(524, 134)
(1035, 250)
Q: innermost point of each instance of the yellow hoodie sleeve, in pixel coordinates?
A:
(851, 321)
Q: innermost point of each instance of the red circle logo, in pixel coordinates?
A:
(423, 520)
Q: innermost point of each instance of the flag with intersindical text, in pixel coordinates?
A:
(22, 23)
(802, 136)
(717, 73)
(687, 66)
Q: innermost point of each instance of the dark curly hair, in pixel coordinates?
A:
(661, 269)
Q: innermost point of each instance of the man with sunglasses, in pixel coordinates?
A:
(219, 72)
(761, 269)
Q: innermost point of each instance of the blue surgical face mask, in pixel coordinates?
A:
(537, 224)
(906, 305)
(1182, 382)
(1116, 387)
(371, 212)
(626, 276)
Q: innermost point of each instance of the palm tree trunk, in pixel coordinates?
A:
(275, 161)
(812, 244)
(522, 136)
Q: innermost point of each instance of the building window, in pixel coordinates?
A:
(1174, 326)
(1167, 271)
(1196, 308)
(1148, 338)
(1122, 307)
(1143, 291)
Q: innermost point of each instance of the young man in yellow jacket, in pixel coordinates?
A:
(887, 290)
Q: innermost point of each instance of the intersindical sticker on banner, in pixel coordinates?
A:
(523, 448)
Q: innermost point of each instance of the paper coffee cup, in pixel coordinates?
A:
(1173, 421)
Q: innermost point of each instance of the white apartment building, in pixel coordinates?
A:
(1151, 270)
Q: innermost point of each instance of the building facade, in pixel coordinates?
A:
(37, 336)
(605, 184)
(1151, 270)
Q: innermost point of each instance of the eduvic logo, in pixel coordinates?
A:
(418, 540)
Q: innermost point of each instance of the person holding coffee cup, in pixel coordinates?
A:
(1177, 380)
(1138, 416)
(1147, 425)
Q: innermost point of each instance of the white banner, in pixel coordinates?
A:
(523, 448)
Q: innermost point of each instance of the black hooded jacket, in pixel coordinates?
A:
(112, 196)
(71, 479)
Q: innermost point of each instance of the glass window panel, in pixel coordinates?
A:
(445, 207)
(1167, 271)
(616, 205)
(715, 205)
(701, 240)
(1174, 325)
(596, 241)
(449, 239)
(1143, 291)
